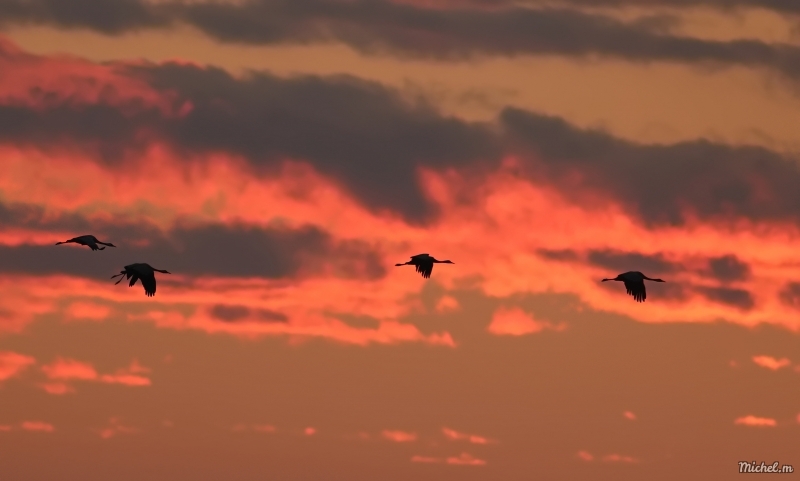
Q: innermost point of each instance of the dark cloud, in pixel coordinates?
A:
(234, 313)
(113, 17)
(790, 294)
(783, 6)
(659, 182)
(728, 268)
(370, 140)
(385, 27)
(362, 134)
(558, 254)
(216, 250)
(620, 262)
(734, 297)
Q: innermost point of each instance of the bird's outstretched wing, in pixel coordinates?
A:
(425, 268)
(149, 283)
(419, 255)
(133, 277)
(637, 290)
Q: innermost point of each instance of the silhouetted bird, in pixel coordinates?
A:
(634, 284)
(88, 240)
(141, 271)
(424, 264)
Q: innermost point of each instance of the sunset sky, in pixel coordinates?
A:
(278, 157)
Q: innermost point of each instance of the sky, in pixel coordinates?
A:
(280, 157)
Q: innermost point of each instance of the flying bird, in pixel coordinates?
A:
(143, 272)
(424, 264)
(88, 240)
(634, 284)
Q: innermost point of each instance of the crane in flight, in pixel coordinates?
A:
(424, 264)
(87, 240)
(143, 272)
(634, 284)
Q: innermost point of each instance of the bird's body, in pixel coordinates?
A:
(424, 264)
(143, 272)
(88, 240)
(634, 284)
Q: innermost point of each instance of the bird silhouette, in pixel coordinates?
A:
(634, 284)
(143, 272)
(88, 240)
(424, 264)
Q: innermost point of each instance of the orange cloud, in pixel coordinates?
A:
(66, 369)
(424, 459)
(771, 363)
(179, 186)
(71, 369)
(629, 415)
(264, 428)
(128, 376)
(5, 428)
(37, 426)
(67, 78)
(465, 459)
(259, 428)
(399, 436)
(309, 431)
(86, 311)
(617, 458)
(516, 322)
(447, 304)
(750, 420)
(585, 455)
(114, 428)
(456, 436)
(57, 388)
(12, 364)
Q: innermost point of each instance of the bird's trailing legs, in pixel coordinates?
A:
(121, 275)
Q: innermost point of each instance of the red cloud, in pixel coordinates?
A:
(70, 369)
(86, 311)
(57, 388)
(629, 415)
(12, 364)
(128, 376)
(585, 455)
(425, 459)
(750, 420)
(617, 458)
(37, 426)
(516, 322)
(67, 369)
(73, 80)
(456, 436)
(447, 304)
(500, 270)
(309, 431)
(116, 427)
(770, 362)
(259, 428)
(399, 436)
(466, 460)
